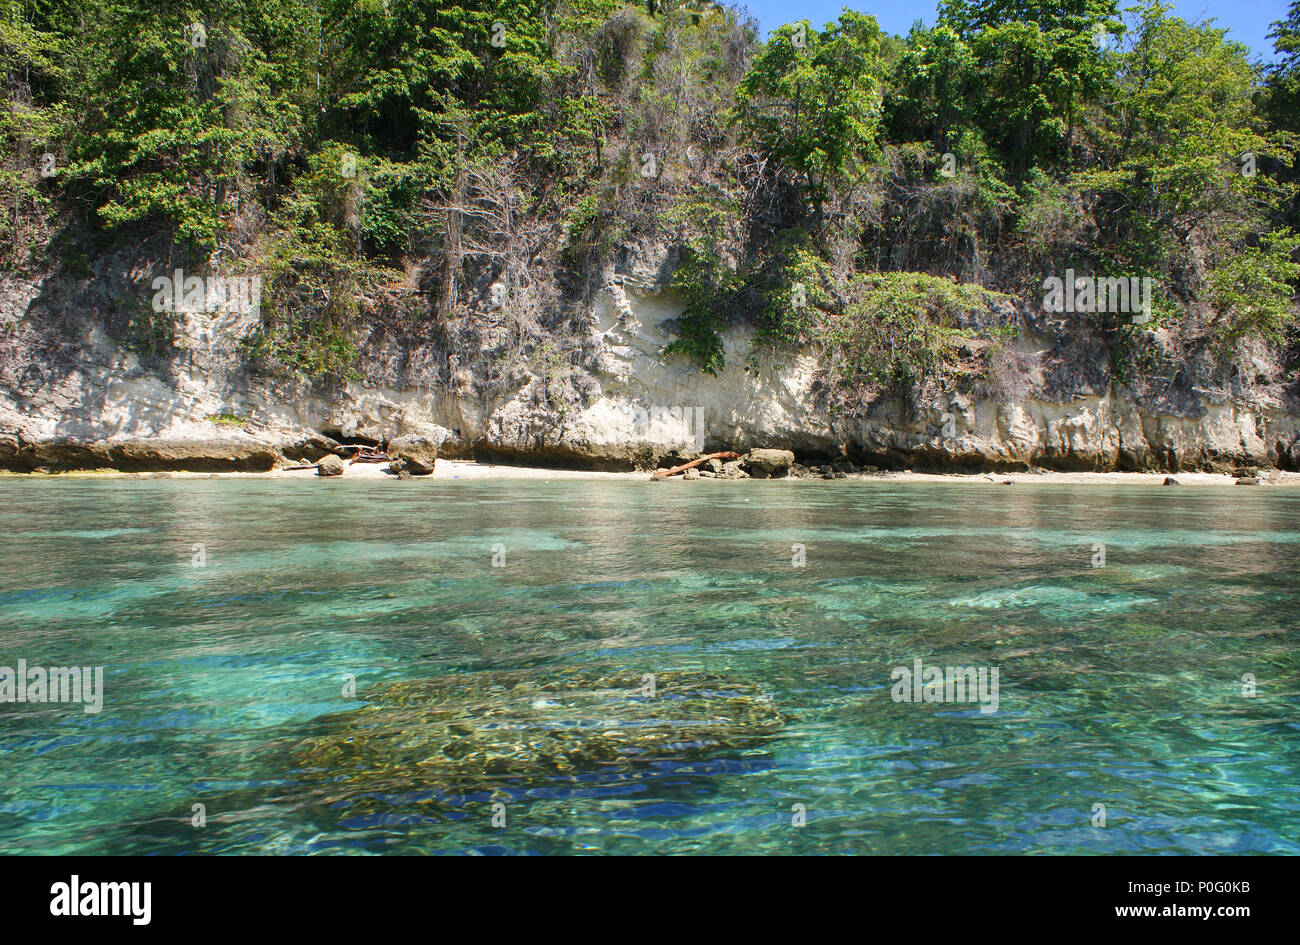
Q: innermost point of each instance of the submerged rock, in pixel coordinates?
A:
(455, 733)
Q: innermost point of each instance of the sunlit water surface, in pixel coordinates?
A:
(1120, 685)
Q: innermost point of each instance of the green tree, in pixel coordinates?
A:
(176, 108)
(932, 87)
(1180, 136)
(1040, 62)
(1179, 149)
(812, 99)
(1284, 78)
(32, 121)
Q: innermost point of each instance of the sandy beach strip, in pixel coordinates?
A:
(455, 469)
(470, 470)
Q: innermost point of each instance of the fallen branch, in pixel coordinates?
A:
(665, 473)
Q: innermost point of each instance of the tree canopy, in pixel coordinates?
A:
(358, 151)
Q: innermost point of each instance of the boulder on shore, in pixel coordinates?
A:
(765, 462)
(732, 470)
(330, 465)
(414, 454)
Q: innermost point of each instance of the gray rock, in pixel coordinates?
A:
(1247, 481)
(330, 465)
(764, 462)
(415, 454)
(1170, 481)
(51, 416)
(692, 473)
(732, 470)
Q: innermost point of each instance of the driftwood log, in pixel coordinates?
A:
(665, 473)
(362, 455)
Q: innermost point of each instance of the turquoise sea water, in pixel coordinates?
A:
(1119, 685)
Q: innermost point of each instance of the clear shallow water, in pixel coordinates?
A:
(1118, 685)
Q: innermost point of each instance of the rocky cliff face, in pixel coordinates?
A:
(71, 397)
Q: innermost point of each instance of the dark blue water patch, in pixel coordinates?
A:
(39, 594)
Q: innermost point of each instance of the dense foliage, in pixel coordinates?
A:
(480, 165)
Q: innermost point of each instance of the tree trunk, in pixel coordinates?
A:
(451, 245)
